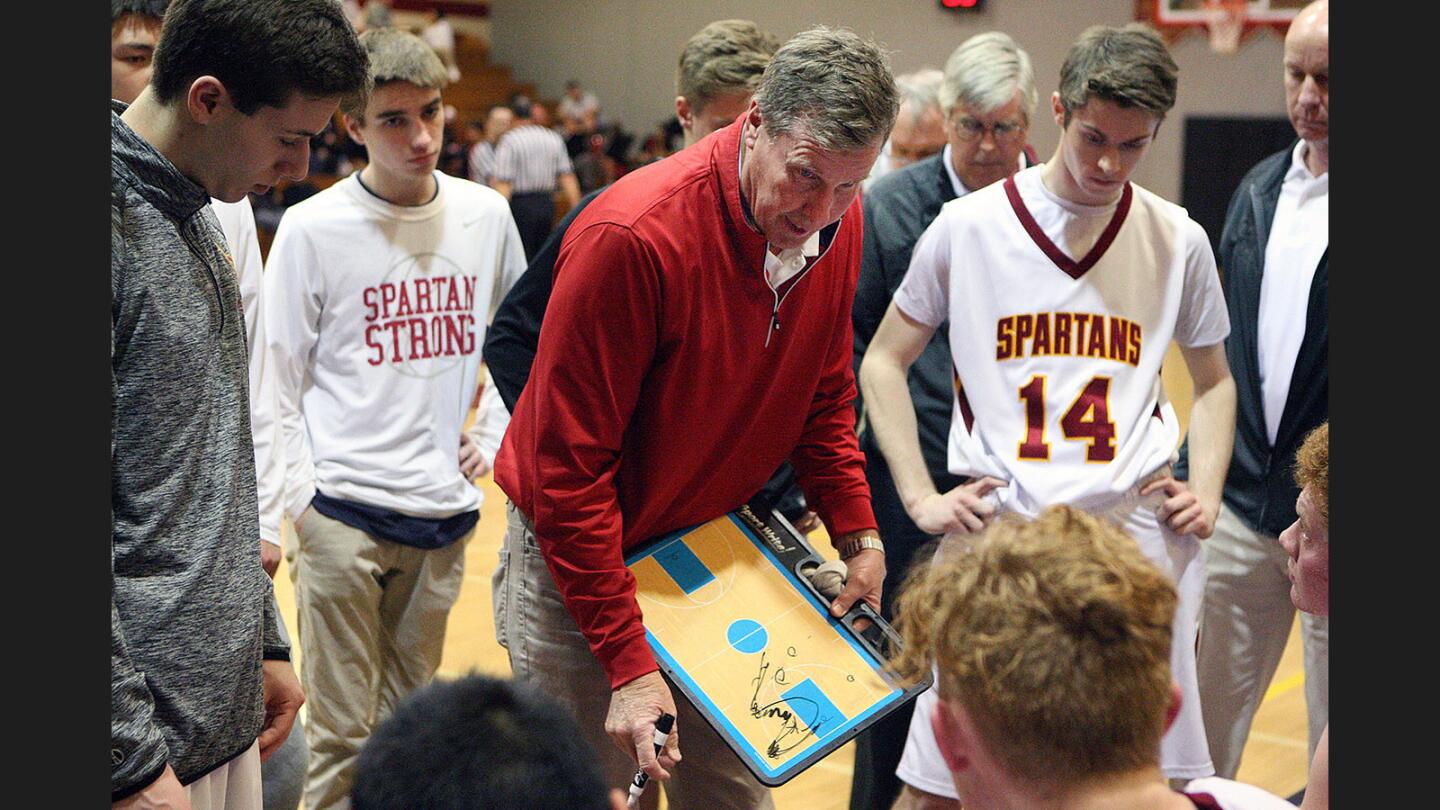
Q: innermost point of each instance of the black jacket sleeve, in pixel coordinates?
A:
(510, 341)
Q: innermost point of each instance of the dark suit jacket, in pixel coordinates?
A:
(1260, 485)
(898, 208)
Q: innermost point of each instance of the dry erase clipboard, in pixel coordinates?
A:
(750, 642)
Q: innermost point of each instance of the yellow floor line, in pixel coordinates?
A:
(1278, 688)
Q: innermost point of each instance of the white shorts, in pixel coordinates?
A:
(232, 786)
(1184, 753)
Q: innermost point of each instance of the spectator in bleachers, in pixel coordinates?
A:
(377, 14)
(439, 34)
(482, 155)
(530, 165)
(579, 110)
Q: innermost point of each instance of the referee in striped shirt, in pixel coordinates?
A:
(530, 162)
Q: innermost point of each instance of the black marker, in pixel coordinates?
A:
(662, 734)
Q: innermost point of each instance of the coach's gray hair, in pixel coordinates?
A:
(726, 56)
(396, 55)
(985, 73)
(1129, 66)
(835, 85)
(921, 90)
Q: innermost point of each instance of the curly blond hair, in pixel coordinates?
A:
(1054, 635)
(1312, 468)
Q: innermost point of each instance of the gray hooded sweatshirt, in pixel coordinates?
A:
(192, 613)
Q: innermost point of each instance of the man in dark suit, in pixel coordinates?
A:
(1275, 257)
(987, 98)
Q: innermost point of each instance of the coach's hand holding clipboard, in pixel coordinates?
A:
(866, 573)
(634, 706)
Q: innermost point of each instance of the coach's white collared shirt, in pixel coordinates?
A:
(1299, 235)
(780, 269)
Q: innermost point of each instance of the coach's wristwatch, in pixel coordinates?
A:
(850, 547)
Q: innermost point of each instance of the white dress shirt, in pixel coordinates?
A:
(1299, 235)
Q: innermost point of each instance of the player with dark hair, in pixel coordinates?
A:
(1063, 286)
(201, 685)
(134, 30)
(479, 743)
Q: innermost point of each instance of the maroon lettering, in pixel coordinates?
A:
(1005, 338)
(372, 343)
(1062, 333)
(395, 327)
(1024, 328)
(1119, 336)
(1095, 347)
(1042, 334)
(467, 323)
(387, 297)
(419, 341)
(370, 303)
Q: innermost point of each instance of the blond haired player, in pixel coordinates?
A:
(1050, 641)
(1063, 286)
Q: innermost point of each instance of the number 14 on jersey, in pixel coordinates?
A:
(1087, 419)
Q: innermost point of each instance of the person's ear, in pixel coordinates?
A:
(950, 736)
(752, 116)
(352, 128)
(205, 98)
(684, 113)
(1058, 109)
(1173, 710)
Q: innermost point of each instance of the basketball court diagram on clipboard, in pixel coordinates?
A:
(754, 648)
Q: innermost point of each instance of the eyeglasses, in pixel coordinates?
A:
(1005, 132)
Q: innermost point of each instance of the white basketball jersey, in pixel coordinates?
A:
(1225, 794)
(1060, 318)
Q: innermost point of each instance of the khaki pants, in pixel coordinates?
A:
(547, 649)
(1243, 631)
(371, 620)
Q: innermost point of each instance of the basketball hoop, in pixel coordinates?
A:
(1226, 20)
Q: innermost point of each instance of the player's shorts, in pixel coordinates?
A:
(1184, 753)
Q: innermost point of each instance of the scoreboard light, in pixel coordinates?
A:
(962, 5)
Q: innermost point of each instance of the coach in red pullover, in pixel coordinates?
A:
(677, 367)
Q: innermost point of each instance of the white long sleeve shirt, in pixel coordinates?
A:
(237, 220)
(376, 314)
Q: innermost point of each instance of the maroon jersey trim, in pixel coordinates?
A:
(1071, 267)
(965, 412)
(1204, 801)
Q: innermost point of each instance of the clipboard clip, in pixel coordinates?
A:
(877, 636)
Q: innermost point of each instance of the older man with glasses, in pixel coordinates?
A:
(986, 99)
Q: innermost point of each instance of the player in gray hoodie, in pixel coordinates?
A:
(201, 685)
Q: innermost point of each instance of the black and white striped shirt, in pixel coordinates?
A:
(482, 162)
(530, 157)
